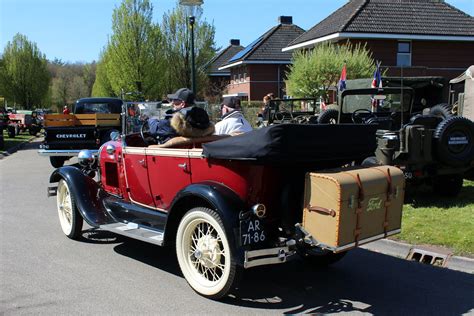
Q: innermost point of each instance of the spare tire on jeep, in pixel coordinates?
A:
(329, 116)
(454, 141)
(442, 110)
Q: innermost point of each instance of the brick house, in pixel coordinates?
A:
(260, 68)
(418, 37)
(218, 79)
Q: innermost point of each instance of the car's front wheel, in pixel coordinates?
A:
(204, 253)
(69, 218)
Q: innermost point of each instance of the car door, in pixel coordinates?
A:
(136, 175)
(169, 172)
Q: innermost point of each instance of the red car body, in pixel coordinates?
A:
(228, 204)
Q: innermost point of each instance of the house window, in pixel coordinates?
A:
(404, 54)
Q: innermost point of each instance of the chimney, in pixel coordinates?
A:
(235, 42)
(285, 19)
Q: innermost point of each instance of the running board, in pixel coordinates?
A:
(134, 231)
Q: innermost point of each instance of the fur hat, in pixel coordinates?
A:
(192, 122)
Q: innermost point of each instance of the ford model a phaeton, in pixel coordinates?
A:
(231, 203)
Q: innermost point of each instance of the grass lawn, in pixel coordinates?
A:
(11, 142)
(447, 222)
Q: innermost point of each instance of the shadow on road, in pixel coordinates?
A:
(364, 281)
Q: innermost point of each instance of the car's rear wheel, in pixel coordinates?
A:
(204, 253)
(69, 218)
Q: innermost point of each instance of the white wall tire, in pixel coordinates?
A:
(69, 218)
(204, 253)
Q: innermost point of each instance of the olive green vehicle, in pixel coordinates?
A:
(430, 148)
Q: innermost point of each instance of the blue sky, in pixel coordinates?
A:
(77, 30)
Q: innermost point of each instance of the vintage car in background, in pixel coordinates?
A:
(232, 203)
(87, 128)
(430, 148)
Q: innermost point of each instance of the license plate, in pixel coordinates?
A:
(251, 231)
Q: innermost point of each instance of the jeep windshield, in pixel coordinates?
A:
(92, 106)
(387, 100)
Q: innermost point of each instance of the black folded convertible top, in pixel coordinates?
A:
(293, 143)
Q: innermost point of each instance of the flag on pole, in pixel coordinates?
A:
(342, 79)
(376, 83)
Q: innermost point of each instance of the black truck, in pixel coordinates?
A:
(90, 125)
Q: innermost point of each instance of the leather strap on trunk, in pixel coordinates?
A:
(358, 210)
(389, 198)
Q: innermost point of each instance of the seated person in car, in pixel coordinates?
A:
(188, 121)
(233, 121)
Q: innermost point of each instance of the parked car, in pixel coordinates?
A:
(430, 149)
(91, 124)
(232, 203)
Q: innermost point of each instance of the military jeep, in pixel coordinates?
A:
(428, 148)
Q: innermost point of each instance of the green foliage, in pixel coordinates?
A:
(441, 221)
(24, 76)
(132, 61)
(177, 49)
(70, 82)
(102, 86)
(314, 72)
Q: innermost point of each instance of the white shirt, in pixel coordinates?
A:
(234, 122)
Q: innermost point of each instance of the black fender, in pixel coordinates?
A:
(216, 196)
(87, 193)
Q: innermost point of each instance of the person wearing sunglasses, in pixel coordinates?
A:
(233, 121)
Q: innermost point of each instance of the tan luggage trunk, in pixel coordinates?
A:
(348, 207)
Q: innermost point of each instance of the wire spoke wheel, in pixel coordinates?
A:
(204, 253)
(69, 217)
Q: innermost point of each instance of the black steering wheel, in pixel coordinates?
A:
(144, 129)
(357, 118)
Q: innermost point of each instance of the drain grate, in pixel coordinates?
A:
(430, 255)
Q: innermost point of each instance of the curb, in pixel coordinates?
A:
(401, 250)
(15, 148)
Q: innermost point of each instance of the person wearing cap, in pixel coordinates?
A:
(233, 121)
(161, 129)
(182, 120)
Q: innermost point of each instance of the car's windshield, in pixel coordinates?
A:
(139, 112)
(91, 108)
(385, 103)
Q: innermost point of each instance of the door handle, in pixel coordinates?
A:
(183, 166)
(142, 162)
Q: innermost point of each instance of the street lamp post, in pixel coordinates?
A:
(193, 65)
(191, 20)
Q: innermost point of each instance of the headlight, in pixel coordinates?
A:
(86, 158)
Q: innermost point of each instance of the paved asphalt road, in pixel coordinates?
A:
(43, 272)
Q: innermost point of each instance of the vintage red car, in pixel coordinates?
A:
(232, 203)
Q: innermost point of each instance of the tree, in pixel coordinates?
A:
(134, 53)
(177, 48)
(24, 74)
(314, 72)
(102, 86)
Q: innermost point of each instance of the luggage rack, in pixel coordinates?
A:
(429, 255)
